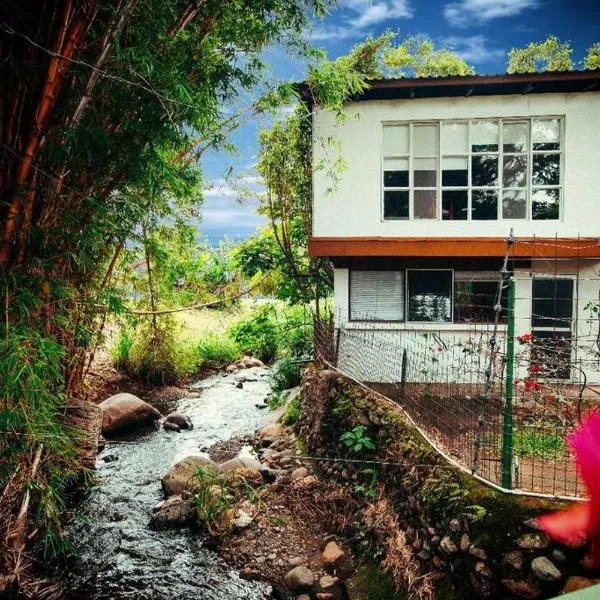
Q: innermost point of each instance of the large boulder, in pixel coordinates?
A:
(173, 512)
(123, 412)
(179, 420)
(180, 477)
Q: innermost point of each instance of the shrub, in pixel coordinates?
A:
(286, 374)
(121, 351)
(217, 351)
(292, 412)
(357, 440)
(258, 335)
(296, 333)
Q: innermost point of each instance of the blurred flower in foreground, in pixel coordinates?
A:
(581, 522)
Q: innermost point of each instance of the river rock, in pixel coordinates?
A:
(513, 559)
(448, 546)
(327, 581)
(171, 427)
(182, 421)
(533, 541)
(299, 579)
(172, 512)
(544, 569)
(180, 477)
(242, 519)
(332, 555)
(122, 412)
(273, 430)
(521, 588)
(248, 362)
(240, 462)
(299, 473)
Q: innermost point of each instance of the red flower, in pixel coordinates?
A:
(525, 338)
(582, 521)
(535, 369)
(531, 385)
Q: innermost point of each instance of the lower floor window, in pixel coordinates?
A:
(425, 295)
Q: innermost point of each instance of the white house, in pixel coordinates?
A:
(437, 173)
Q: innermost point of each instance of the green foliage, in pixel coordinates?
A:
(548, 55)
(292, 412)
(212, 496)
(420, 58)
(217, 351)
(286, 374)
(369, 480)
(121, 351)
(592, 58)
(257, 335)
(357, 440)
(539, 440)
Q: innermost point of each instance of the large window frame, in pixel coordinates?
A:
(503, 191)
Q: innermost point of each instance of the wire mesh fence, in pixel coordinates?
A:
(499, 398)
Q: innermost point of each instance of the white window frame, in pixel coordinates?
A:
(528, 188)
(407, 298)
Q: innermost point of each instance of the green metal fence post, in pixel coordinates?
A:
(507, 428)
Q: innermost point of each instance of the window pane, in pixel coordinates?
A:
(514, 204)
(515, 171)
(546, 169)
(377, 295)
(425, 140)
(425, 204)
(454, 205)
(484, 205)
(484, 136)
(552, 302)
(514, 137)
(484, 170)
(425, 172)
(429, 296)
(455, 138)
(455, 171)
(546, 134)
(395, 172)
(545, 204)
(474, 301)
(395, 140)
(395, 205)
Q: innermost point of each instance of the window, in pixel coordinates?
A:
(429, 295)
(377, 295)
(475, 295)
(479, 169)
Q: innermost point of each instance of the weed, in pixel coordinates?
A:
(212, 498)
(217, 350)
(357, 440)
(368, 488)
(292, 413)
(286, 374)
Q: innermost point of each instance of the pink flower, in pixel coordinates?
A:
(531, 385)
(535, 369)
(525, 338)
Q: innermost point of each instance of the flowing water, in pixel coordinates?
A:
(117, 555)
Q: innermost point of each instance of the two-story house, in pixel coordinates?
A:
(437, 173)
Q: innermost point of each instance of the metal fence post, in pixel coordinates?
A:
(507, 427)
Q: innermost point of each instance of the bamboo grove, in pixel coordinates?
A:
(105, 106)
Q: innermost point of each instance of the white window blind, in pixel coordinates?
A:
(377, 295)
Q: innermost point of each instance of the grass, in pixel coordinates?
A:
(217, 350)
(531, 442)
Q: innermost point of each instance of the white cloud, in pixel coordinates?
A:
(473, 49)
(359, 15)
(465, 12)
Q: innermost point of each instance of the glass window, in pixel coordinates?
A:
(455, 204)
(545, 204)
(430, 296)
(377, 295)
(515, 137)
(546, 134)
(514, 170)
(484, 205)
(546, 169)
(395, 172)
(395, 204)
(425, 172)
(455, 138)
(514, 204)
(475, 297)
(484, 170)
(396, 140)
(425, 204)
(484, 136)
(455, 171)
(425, 140)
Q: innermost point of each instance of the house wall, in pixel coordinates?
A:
(353, 206)
(372, 351)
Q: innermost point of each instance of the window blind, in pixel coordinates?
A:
(377, 295)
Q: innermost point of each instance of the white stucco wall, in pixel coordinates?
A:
(354, 206)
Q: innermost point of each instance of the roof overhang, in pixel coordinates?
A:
(473, 85)
(454, 247)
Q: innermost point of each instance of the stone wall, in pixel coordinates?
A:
(482, 542)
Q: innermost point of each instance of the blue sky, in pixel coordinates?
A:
(481, 31)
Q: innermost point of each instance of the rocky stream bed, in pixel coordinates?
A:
(116, 554)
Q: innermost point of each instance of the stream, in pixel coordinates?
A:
(116, 555)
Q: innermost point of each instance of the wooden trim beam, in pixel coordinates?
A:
(454, 246)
